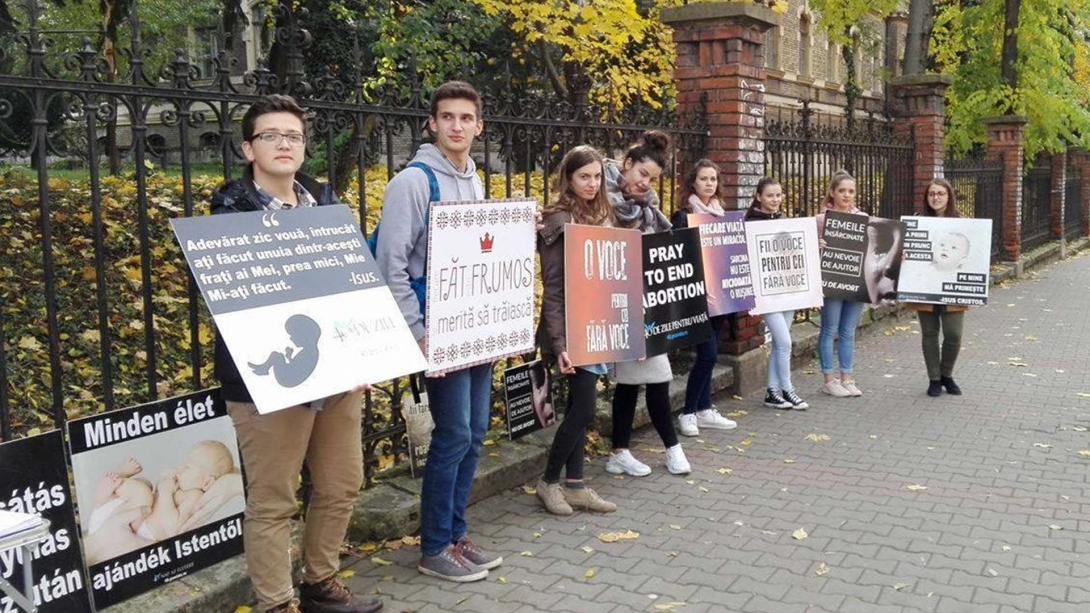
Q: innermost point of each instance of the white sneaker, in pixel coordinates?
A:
(624, 463)
(687, 424)
(835, 389)
(851, 388)
(676, 462)
(710, 418)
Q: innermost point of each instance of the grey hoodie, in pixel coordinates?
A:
(402, 248)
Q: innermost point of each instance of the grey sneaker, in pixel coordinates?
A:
(476, 556)
(450, 565)
(552, 496)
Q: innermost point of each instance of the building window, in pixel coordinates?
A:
(206, 48)
(832, 63)
(772, 49)
(806, 40)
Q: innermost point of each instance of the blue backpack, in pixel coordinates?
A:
(419, 285)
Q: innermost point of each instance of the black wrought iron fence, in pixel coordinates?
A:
(1036, 202)
(97, 309)
(1073, 204)
(978, 188)
(804, 148)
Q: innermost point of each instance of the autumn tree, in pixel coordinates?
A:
(1050, 63)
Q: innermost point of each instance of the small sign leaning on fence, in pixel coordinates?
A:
(526, 391)
(299, 301)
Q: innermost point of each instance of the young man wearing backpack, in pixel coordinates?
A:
(460, 400)
(325, 433)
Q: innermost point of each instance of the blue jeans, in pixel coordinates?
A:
(698, 391)
(779, 358)
(459, 404)
(838, 321)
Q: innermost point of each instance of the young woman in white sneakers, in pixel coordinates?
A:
(700, 194)
(636, 205)
(767, 204)
(839, 318)
(580, 198)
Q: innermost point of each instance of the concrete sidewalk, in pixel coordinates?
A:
(977, 503)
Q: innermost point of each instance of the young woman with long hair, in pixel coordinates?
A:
(839, 318)
(948, 319)
(768, 204)
(701, 193)
(580, 198)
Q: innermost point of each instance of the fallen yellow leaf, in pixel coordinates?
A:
(675, 526)
(529, 489)
(788, 461)
(915, 487)
(489, 443)
(380, 561)
(992, 572)
(501, 580)
(1085, 453)
(587, 549)
(703, 489)
(527, 554)
(243, 609)
(817, 438)
(346, 573)
(613, 537)
(1043, 445)
(1055, 527)
(589, 574)
(799, 534)
(821, 570)
(724, 471)
(900, 586)
(669, 606)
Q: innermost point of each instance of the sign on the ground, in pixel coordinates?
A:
(299, 301)
(416, 412)
(160, 492)
(946, 261)
(784, 262)
(603, 292)
(726, 262)
(861, 259)
(34, 481)
(527, 393)
(481, 274)
(675, 303)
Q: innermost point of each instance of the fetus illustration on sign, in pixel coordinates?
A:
(295, 364)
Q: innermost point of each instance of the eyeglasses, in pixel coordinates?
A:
(275, 138)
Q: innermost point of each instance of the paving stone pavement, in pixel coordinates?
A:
(1003, 525)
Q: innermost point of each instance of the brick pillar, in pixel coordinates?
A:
(920, 110)
(720, 63)
(1059, 195)
(1005, 144)
(1084, 176)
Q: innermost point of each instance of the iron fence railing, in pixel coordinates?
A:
(1036, 203)
(1073, 204)
(99, 311)
(978, 188)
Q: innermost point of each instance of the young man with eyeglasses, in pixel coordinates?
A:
(460, 400)
(324, 433)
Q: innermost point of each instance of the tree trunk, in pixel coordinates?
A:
(1010, 45)
(921, 14)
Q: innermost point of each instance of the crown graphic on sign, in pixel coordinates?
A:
(486, 243)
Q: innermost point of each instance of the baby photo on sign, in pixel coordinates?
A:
(945, 261)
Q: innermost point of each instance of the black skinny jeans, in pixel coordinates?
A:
(571, 436)
(658, 408)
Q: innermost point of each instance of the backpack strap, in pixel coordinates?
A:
(433, 182)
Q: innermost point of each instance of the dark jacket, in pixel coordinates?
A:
(680, 219)
(755, 214)
(240, 196)
(552, 334)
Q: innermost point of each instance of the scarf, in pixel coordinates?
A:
(639, 212)
(712, 208)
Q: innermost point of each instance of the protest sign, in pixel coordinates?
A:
(528, 398)
(675, 304)
(946, 260)
(784, 263)
(418, 426)
(861, 258)
(602, 286)
(160, 492)
(480, 304)
(34, 480)
(726, 262)
(299, 301)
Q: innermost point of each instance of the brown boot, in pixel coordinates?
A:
(292, 606)
(552, 496)
(586, 498)
(332, 596)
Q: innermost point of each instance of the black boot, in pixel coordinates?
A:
(951, 387)
(935, 388)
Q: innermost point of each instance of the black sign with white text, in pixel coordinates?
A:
(675, 302)
(34, 481)
(529, 402)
